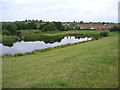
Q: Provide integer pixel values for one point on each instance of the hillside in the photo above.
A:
(91, 64)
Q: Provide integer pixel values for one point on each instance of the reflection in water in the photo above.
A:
(23, 47)
(8, 44)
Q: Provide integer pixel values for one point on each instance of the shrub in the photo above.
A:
(99, 36)
(9, 40)
(18, 54)
(49, 27)
(104, 34)
(18, 33)
(96, 37)
(5, 32)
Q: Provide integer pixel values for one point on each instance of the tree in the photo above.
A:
(90, 22)
(40, 21)
(59, 26)
(25, 20)
(21, 25)
(29, 20)
(33, 20)
(49, 27)
(41, 26)
(32, 25)
(103, 23)
(73, 21)
(81, 22)
(12, 28)
(36, 21)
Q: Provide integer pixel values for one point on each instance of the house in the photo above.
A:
(98, 28)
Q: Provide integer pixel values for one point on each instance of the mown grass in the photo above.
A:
(89, 65)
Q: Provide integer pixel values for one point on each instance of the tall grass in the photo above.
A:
(53, 38)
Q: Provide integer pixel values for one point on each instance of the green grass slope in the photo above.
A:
(92, 64)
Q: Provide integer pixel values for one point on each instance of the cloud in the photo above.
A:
(60, 10)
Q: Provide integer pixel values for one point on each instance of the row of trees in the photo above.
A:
(23, 26)
(81, 22)
(11, 29)
(52, 26)
(36, 21)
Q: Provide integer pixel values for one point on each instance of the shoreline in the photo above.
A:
(43, 50)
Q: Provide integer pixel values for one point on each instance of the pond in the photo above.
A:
(23, 47)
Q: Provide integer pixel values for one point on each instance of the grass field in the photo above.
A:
(89, 65)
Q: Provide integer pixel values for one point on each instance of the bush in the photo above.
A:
(12, 28)
(49, 27)
(9, 40)
(18, 54)
(18, 33)
(96, 37)
(5, 32)
(104, 34)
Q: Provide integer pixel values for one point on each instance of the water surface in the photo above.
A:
(23, 47)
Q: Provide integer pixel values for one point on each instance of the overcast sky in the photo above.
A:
(60, 10)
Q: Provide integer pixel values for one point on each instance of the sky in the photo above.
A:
(60, 10)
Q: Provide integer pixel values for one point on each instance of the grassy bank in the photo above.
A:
(91, 64)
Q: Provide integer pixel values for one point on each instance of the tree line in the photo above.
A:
(11, 29)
